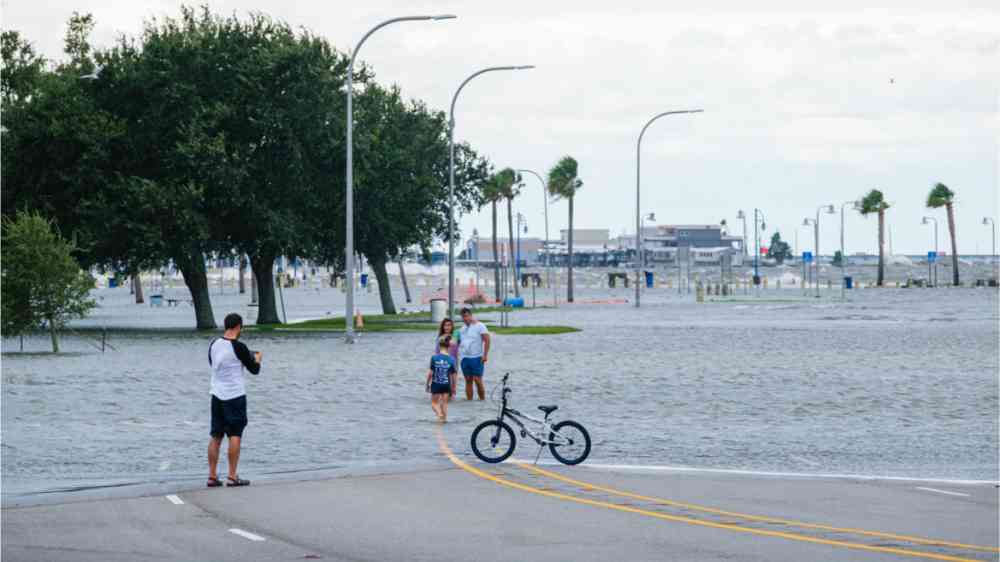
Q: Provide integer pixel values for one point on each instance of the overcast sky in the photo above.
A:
(803, 107)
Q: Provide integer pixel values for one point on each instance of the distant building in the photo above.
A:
(594, 247)
(530, 249)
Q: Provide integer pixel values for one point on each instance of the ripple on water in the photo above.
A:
(876, 389)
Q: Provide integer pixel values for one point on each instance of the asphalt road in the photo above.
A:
(459, 509)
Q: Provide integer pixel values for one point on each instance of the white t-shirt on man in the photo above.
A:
(470, 339)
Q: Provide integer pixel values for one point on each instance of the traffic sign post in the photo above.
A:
(931, 262)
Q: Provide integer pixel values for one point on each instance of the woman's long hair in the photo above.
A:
(441, 327)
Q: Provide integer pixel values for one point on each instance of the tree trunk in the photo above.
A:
(267, 310)
(496, 255)
(137, 284)
(954, 245)
(55, 335)
(243, 272)
(510, 244)
(384, 290)
(402, 278)
(254, 294)
(881, 248)
(195, 277)
(569, 269)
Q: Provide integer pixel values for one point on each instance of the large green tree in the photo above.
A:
(232, 124)
(564, 182)
(22, 69)
(401, 179)
(874, 203)
(942, 196)
(58, 144)
(42, 282)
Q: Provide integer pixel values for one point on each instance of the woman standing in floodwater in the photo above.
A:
(447, 329)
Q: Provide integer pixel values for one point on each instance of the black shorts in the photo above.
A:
(229, 417)
(439, 388)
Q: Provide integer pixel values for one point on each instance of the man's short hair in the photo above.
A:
(465, 311)
(232, 320)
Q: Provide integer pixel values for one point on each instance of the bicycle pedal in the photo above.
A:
(523, 434)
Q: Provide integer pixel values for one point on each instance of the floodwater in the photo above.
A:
(889, 383)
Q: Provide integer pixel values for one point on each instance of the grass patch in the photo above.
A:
(409, 322)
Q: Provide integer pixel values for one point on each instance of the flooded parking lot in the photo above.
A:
(890, 383)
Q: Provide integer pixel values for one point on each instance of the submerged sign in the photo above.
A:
(807, 257)
(932, 257)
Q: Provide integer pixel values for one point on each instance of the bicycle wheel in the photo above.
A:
(577, 446)
(493, 441)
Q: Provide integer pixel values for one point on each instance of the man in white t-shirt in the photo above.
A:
(474, 352)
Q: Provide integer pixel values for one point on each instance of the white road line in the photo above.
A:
(936, 491)
(175, 499)
(247, 535)
(807, 475)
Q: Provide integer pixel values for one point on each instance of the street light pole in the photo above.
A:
(993, 240)
(743, 217)
(843, 256)
(475, 241)
(638, 179)
(545, 206)
(349, 246)
(829, 210)
(651, 217)
(756, 251)
(925, 221)
(517, 260)
(451, 181)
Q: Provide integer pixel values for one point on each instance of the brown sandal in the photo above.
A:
(213, 483)
(233, 482)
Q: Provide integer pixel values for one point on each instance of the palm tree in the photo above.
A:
(563, 184)
(941, 196)
(493, 194)
(509, 184)
(874, 202)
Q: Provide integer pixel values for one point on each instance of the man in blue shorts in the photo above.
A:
(474, 351)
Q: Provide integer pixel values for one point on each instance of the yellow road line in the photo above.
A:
(790, 536)
(791, 523)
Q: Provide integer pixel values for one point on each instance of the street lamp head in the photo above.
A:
(828, 209)
(807, 221)
(651, 217)
(740, 214)
(926, 220)
(987, 220)
(475, 233)
(443, 17)
(524, 67)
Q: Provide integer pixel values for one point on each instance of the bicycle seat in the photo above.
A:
(548, 409)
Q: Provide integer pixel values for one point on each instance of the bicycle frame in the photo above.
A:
(544, 425)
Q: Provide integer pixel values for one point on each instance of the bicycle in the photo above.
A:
(568, 441)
